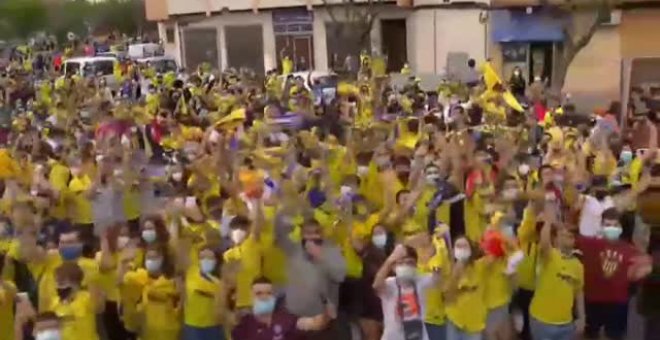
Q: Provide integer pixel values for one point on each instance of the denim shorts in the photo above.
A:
(203, 333)
(544, 331)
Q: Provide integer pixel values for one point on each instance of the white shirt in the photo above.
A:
(389, 298)
(591, 215)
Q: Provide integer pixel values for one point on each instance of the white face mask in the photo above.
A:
(510, 194)
(462, 254)
(345, 190)
(362, 170)
(49, 334)
(177, 176)
(405, 272)
(238, 235)
(523, 169)
(379, 240)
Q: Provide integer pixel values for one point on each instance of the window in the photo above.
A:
(169, 35)
(71, 68)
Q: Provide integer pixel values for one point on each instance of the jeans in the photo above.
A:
(203, 333)
(436, 332)
(455, 333)
(544, 331)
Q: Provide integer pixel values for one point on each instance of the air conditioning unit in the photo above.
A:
(613, 19)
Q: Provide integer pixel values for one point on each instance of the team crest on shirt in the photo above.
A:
(609, 262)
(277, 332)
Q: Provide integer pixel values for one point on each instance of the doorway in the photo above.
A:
(541, 61)
(394, 38)
(299, 47)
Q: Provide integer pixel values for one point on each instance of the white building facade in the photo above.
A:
(432, 36)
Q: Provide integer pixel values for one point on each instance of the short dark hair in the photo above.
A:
(411, 253)
(262, 280)
(471, 63)
(70, 271)
(611, 214)
(239, 222)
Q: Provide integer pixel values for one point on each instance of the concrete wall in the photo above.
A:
(156, 10)
(434, 33)
(639, 29)
(237, 19)
(594, 77)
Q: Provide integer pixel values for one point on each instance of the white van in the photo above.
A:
(92, 66)
(139, 51)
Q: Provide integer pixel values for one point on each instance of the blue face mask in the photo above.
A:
(612, 233)
(70, 253)
(153, 265)
(149, 235)
(261, 307)
(207, 265)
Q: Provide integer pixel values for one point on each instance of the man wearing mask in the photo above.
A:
(268, 321)
(559, 284)
(315, 267)
(69, 251)
(74, 304)
(610, 265)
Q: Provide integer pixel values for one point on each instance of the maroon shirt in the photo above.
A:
(282, 327)
(606, 265)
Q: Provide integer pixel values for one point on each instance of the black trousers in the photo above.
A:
(521, 300)
(613, 317)
(114, 327)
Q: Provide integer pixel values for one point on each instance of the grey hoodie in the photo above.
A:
(310, 283)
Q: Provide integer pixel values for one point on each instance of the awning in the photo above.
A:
(518, 26)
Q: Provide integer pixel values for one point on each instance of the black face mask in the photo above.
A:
(64, 292)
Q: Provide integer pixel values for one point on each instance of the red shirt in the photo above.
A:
(282, 327)
(606, 265)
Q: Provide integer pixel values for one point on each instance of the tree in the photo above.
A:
(357, 20)
(21, 18)
(584, 18)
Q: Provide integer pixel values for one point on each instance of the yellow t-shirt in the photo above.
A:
(159, 305)
(435, 306)
(499, 288)
(107, 279)
(468, 311)
(200, 309)
(131, 203)
(7, 300)
(48, 284)
(528, 244)
(249, 255)
(475, 223)
(274, 259)
(78, 317)
(59, 180)
(81, 208)
(560, 279)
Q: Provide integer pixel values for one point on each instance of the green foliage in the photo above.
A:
(22, 18)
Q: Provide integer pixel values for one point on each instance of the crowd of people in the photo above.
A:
(225, 207)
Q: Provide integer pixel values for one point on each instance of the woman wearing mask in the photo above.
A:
(77, 307)
(403, 296)
(203, 300)
(465, 291)
(153, 232)
(158, 306)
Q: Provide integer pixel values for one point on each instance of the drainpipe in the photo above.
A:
(435, 42)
